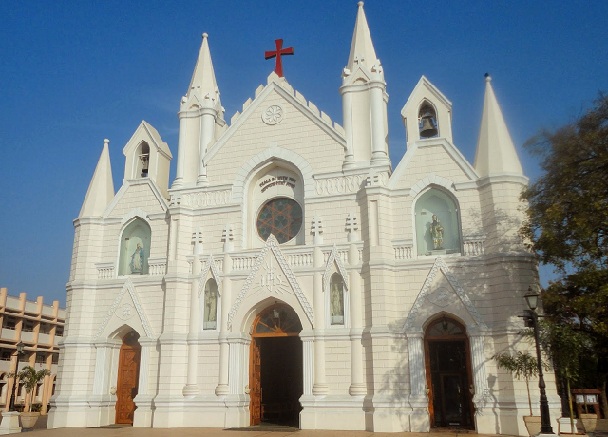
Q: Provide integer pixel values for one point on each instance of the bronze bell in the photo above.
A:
(427, 126)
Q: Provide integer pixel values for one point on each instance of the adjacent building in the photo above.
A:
(39, 327)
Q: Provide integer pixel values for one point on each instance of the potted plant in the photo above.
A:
(524, 366)
(30, 378)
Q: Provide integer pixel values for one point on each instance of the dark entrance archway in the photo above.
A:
(275, 375)
(448, 370)
(128, 378)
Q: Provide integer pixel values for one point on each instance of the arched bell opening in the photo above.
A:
(428, 126)
(275, 375)
(143, 161)
(448, 372)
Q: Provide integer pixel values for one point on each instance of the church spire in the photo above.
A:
(201, 120)
(496, 154)
(361, 47)
(364, 101)
(203, 84)
(101, 188)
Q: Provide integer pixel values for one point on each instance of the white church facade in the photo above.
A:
(290, 274)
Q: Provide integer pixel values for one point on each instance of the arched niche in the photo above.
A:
(437, 223)
(276, 205)
(336, 300)
(210, 305)
(135, 248)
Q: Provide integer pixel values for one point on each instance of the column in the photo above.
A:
(479, 370)
(143, 400)
(191, 389)
(377, 123)
(206, 135)
(320, 386)
(222, 387)
(181, 151)
(347, 109)
(357, 383)
(419, 401)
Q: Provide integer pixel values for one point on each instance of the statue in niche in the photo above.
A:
(436, 233)
(137, 260)
(210, 305)
(337, 303)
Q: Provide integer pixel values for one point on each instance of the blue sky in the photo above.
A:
(75, 72)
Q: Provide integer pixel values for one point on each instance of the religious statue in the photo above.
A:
(210, 305)
(137, 260)
(436, 233)
(337, 303)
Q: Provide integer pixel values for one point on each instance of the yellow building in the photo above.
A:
(39, 327)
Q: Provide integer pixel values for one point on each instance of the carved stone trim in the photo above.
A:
(114, 309)
(210, 264)
(273, 246)
(334, 257)
(274, 114)
(339, 185)
(440, 266)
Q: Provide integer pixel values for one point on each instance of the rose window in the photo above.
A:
(281, 217)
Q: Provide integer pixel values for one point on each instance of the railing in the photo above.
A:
(473, 247)
(105, 270)
(403, 251)
(157, 266)
(243, 262)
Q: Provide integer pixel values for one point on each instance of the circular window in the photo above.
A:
(281, 217)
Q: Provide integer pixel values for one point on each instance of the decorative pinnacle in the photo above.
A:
(488, 77)
(360, 4)
(106, 141)
(205, 35)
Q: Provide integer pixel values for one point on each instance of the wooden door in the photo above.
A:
(128, 379)
(449, 375)
(255, 384)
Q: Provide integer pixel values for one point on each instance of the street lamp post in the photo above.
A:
(531, 316)
(20, 347)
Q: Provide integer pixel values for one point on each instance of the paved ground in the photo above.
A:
(267, 431)
(217, 432)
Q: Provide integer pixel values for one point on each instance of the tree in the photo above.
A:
(522, 365)
(567, 226)
(565, 346)
(30, 379)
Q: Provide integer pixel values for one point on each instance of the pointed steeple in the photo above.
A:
(361, 47)
(496, 154)
(203, 84)
(101, 188)
(364, 101)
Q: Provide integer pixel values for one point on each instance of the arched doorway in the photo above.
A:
(448, 372)
(128, 378)
(275, 370)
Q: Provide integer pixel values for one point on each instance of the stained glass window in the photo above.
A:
(281, 217)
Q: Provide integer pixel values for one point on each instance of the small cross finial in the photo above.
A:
(280, 51)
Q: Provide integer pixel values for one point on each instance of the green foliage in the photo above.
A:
(567, 226)
(522, 365)
(30, 379)
(567, 220)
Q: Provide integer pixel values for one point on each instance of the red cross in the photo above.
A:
(278, 66)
